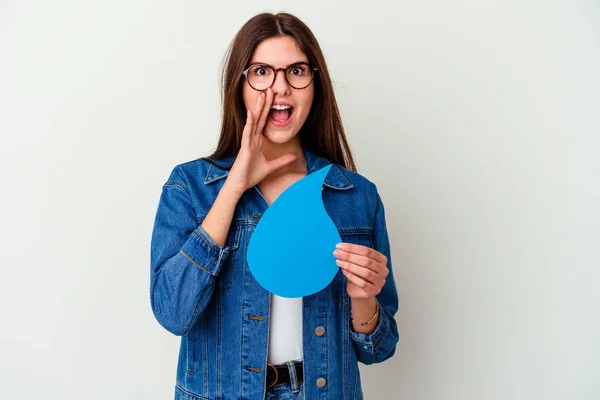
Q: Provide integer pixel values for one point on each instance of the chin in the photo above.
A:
(279, 136)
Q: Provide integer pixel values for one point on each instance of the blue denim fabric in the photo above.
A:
(284, 392)
(206, 294)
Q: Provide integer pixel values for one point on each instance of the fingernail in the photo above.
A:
(338, 262)
(337, 253)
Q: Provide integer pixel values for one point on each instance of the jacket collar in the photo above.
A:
(335, 179)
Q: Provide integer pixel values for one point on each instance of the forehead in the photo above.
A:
(279, 52)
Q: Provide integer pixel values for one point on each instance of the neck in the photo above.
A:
(273, 150)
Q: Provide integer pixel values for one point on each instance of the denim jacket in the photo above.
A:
(206, 294)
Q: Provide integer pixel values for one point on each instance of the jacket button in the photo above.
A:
(321, 382)
(319, 331)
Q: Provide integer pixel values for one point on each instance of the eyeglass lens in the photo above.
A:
(262, 77)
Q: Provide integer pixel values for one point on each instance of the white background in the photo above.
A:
(478, 121)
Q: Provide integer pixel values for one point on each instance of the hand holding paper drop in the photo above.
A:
(290, 252)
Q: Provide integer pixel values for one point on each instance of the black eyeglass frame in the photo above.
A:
(276, 70)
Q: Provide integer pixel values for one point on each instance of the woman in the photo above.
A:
(280, 123)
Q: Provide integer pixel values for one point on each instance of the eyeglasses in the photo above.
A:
(262, 76)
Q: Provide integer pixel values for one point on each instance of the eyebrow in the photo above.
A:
(264, 63)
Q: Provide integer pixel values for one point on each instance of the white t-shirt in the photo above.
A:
(285, 330)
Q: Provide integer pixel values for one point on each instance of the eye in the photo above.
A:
(298, 70)
(261, 71)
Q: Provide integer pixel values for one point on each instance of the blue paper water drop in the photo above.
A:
(290, 252)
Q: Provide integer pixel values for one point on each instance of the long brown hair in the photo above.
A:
(322, 132)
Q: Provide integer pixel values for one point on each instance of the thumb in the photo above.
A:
(282, 161)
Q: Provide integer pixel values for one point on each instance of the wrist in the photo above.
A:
(364, 311)
(364, 302)
(230, 190)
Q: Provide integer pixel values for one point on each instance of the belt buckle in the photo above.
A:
(276, 376)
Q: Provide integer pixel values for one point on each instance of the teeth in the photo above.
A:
(280, 107)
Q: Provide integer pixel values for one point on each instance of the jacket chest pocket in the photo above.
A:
(232, 242)
(362, 236)
(236, 257)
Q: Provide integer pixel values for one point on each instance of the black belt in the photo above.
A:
(278, 374)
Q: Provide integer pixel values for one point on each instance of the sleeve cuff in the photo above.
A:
(203, 251)
(369, 342)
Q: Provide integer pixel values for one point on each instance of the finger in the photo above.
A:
(281, 161)
(358, 281)
(265, 111)
(363, 251)
(248, 128)
(364, 273)
(258, 109)
(359, 260)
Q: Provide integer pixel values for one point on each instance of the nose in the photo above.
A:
(281, 86)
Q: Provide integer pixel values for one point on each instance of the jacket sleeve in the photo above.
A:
(380, 345)
(184, 261)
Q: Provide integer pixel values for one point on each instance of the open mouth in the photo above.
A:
(281, 115)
